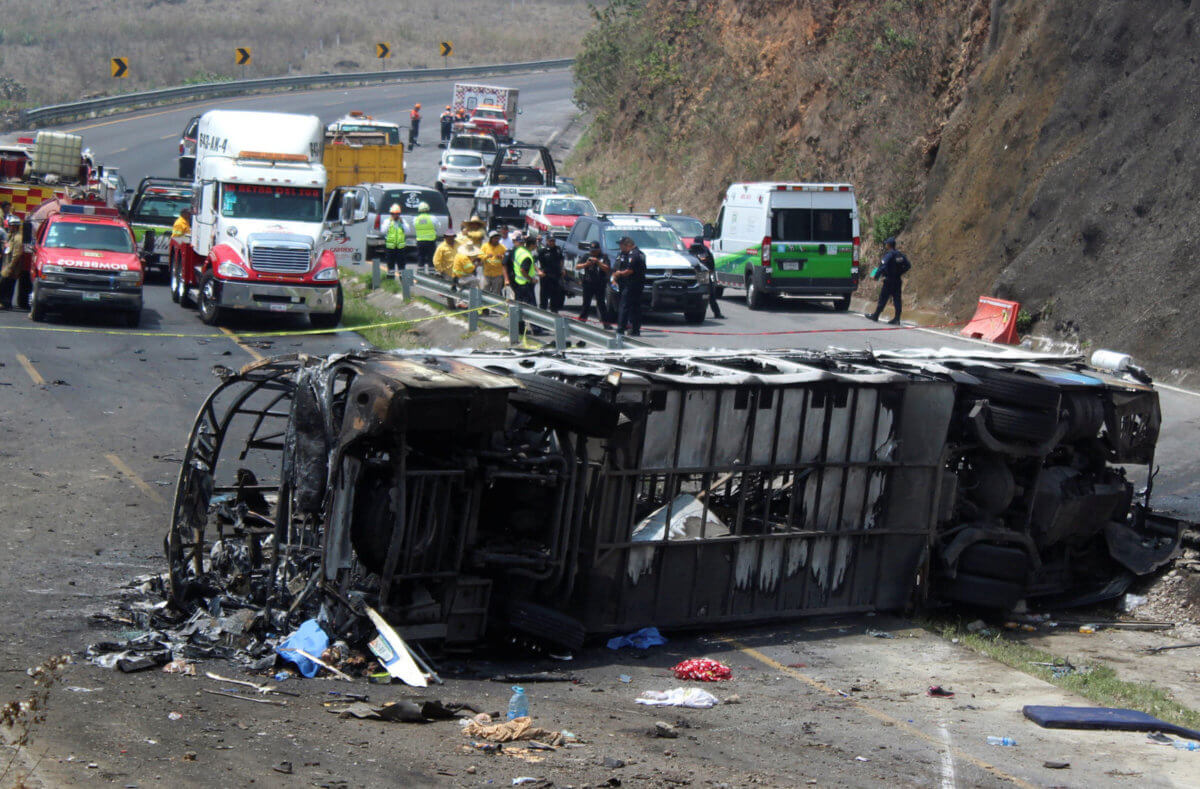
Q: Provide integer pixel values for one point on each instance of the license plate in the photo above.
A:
(278, 307)
(512, 202)
(91, 297)
(791, 265)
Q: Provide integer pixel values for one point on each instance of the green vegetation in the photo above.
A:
(356, 312)
(1095, 682)
(1024, 321)
(891, 220)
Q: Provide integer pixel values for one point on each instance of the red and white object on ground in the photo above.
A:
(995, 320)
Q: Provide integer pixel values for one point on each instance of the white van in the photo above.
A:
(791, 239)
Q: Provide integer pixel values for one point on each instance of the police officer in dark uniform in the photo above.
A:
(551, 293)
(594, 273)
(705, 256)
(629, 274)
(892, 267)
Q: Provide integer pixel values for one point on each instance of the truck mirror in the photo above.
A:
(709, 231)
(360, 212)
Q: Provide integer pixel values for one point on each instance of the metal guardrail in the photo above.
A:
(565, 330)
(40, 115)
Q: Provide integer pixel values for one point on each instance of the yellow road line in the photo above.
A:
(141, 484)
(258, 357)
(878, 715)
(29, 368)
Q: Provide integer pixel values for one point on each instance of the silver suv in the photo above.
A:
(408, 197)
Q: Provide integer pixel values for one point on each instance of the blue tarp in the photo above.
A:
(642, 639)
(309, 637)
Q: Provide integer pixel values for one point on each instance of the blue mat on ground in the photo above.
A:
(1102, 718)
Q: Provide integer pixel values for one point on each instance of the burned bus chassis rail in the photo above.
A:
(561, 495)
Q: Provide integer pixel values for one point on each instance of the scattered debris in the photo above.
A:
(702, 669)
(937, 691)
(664, 729)
(541, 676)
(173, 716)
(678, 697)
(307, 640)
(1156, 650)
(639, 639)
(873, 633)
(406, 711)
(734, 699)
(394, 653)
(1005, 741)
(1053, 765)
(511, 731)
(613, 764)
(272, 702)
(524, 780)
(180, 666)
(1102, 718)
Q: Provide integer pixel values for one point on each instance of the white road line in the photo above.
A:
(948, 779)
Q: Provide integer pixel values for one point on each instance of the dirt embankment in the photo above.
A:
(1041, 150)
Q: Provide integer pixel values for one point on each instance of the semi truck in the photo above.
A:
(260, 235)
(490, 108)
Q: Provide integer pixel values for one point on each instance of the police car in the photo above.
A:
(85, 256)
(675, 280)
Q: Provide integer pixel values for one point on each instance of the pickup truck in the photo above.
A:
(519, 173)
(155, 207)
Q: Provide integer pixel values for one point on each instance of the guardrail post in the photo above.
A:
(474, 302)
(616, 342)
(514, 322)
(376, 275)
(406, 283)
(560, 333)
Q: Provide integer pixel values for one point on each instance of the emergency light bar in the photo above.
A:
(89, 210)
(273, 157)
(812, 187)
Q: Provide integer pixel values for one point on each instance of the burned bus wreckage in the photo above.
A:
(555, 496)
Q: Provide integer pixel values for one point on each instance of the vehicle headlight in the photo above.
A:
(231, 270)
(326, 274)
(51, 268)
(130, 276)
(703, 276)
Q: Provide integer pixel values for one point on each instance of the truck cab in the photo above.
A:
(259, 238)
(152, 213)
(84, 256)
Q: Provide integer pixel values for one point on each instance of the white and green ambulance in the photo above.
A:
(793, 239)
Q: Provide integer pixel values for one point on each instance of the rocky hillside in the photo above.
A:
(1041, 150)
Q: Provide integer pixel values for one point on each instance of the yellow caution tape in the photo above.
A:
(252, 335)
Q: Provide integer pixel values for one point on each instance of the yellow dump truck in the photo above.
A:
(360, 149)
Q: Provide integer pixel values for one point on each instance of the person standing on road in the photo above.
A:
(705, 256)
(414, 125)
(629, 275)
(594, 273)
(425, 229)
(181, 231)
(443, 256)
(492, 255)
(12, 251)
(551, 293)
(892, 267)
(394, 241)
(525, 270)
(447, 121)
(515, 241)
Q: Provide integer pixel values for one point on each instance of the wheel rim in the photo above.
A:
(206, 296)
(174, 280)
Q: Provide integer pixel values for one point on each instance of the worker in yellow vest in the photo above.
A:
(394, 241)
(492, 254)
(425, 229)
(443, 256)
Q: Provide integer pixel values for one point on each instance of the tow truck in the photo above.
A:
(84, 256)
(519, 173)
(156, 206)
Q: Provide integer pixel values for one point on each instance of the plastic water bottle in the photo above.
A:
(993, 740)
(518, 705)
(1186, 746)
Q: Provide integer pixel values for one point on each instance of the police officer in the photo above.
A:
(447, 121)
(594, 271)
(892, 267)
(394, 240)
(425, 229)
(525, 270)
(705, 256)
(552, 292)
(629, 274)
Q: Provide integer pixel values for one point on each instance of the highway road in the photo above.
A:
(93, 418)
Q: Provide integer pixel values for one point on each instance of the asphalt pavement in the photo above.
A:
(93, 420)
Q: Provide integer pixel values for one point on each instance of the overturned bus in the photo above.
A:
(555, 496)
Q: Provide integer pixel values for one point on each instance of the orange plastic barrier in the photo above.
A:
(995, 320)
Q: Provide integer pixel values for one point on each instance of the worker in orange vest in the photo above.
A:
(447, 120)
(414, 125)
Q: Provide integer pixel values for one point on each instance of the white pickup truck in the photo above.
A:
(519, 174)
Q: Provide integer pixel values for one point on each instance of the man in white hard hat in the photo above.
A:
(425, 229)
(394, 241)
